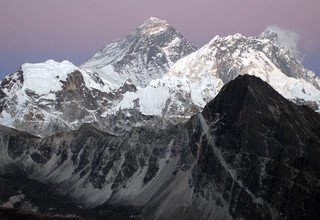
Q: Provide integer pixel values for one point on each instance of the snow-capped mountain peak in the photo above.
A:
(195, 79)
(143, 55)
(286, 39)
(227, 57)
(154, 26)
(42, 78)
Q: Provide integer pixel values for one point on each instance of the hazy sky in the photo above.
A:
(37, 30)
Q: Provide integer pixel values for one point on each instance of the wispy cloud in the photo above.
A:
(289, 40)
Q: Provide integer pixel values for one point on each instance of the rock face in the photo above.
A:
(264, 143)
(250, 154)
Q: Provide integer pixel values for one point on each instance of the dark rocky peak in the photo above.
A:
(270, 148)
(249, 99)
(243, 92)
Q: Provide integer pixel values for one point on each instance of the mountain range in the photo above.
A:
(152, 77)
(158, 129)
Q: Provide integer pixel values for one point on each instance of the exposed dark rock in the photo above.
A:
(264, 140)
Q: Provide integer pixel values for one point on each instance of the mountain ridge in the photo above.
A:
(40, 98)
(236, 159)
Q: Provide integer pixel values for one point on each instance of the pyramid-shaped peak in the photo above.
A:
(245, 91)
(245, 84)
(154, 25)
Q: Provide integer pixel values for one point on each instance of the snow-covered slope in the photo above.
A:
(227, 57)
(172, 97)
(198, 77)
(145, 54)
(49, 97)
(37, 82)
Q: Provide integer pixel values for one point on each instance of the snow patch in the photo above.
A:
(43, 78)
(150, 101)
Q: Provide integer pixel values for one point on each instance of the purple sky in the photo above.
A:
(37, 30)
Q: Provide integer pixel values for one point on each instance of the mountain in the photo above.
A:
(197, 78)
(250, 154)
(50, 97)
(145, 54)
(126, 85)
(265, 58)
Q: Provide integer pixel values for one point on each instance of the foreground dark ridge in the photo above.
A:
(250, 154)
